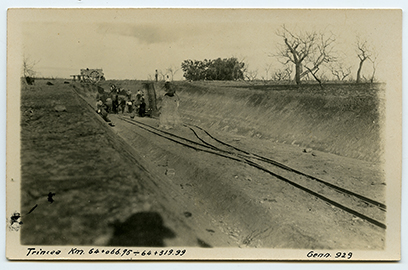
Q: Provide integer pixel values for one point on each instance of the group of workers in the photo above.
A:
(125, 103)
(118, 100)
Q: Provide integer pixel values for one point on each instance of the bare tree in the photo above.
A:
(364, 52)
(340, 71)
(251, 74)
(243, 69)
(279, 75)
(161, 75)
(172, 71)
(374, 62)
(267, 69)
(283, 74)
(307, 50)
(28, 70)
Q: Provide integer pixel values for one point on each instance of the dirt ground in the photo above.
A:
(123, 186)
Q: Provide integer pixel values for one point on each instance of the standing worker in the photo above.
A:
(129, 95)
(115, 98)
(122, 104)
(169, 116)
(129, 103)
(137, 104)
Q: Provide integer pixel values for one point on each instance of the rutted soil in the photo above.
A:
(100, 189)
(107, 179)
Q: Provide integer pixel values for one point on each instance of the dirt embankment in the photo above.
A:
(339, 119)
(124, 186)
(230, 204)
(79, 184)
(343, 119)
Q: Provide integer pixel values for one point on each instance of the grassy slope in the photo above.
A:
(341, 119)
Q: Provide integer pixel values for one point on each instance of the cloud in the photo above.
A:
(148, 33)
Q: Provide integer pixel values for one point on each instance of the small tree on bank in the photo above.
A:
(339, 71)
(364, 52)
(251, 75)
(282, 74)
(374, 63)
(28, 70)
(172, 71)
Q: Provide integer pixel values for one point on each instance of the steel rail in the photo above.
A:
(380, 205)
(244, 160)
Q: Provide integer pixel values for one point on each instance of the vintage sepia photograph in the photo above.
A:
(204, 134)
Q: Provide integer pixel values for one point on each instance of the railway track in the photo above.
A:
(355, 204)
(359, 206)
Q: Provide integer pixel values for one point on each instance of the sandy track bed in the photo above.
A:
(113, 174)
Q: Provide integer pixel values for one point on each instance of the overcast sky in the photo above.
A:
(132, 43)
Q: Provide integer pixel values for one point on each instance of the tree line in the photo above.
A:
(312, 53)
(304, 56)
(218, 69)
